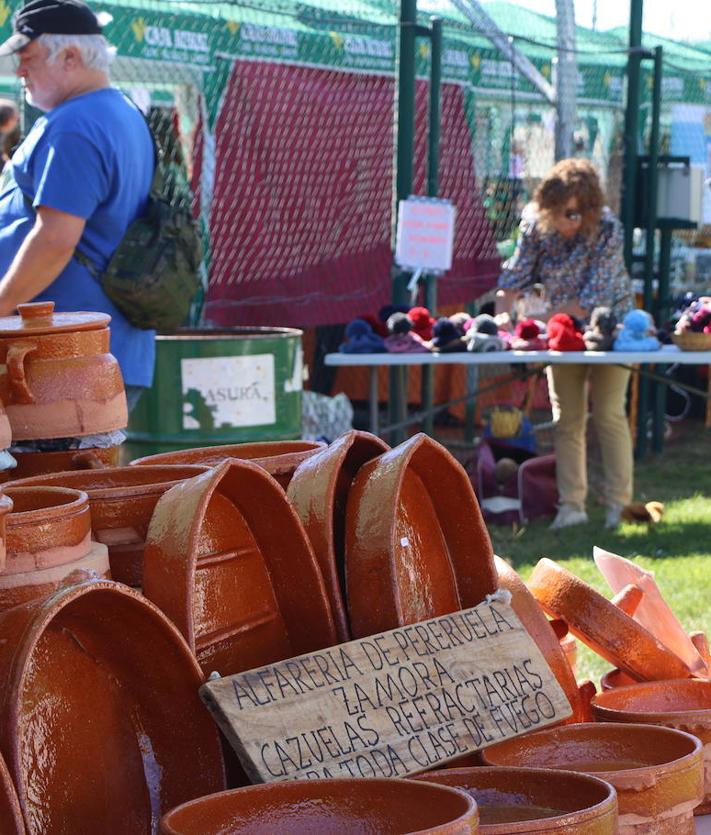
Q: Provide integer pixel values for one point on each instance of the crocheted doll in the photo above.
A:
(360, 339)
(422, 322)
(446, 339)
(564, 334)
(638, 333)
(483, 335)
(602, 330)
(401, 339)
(528, 337)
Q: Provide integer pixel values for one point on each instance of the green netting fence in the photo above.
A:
(283, 113)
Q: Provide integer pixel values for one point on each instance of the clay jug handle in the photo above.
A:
(87, 460)
(16, 354)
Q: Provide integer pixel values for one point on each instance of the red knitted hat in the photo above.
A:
(527, 329)
(563, 335)
(421, 322)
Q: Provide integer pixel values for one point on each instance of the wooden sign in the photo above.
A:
(392, 704)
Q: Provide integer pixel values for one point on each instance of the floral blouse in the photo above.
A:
(589, 271)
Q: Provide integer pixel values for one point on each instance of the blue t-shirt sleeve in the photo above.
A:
(69, 175)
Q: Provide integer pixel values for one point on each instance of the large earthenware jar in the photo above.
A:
(319, 493)
(60, 380)
(122, 500)
(514, 801)
(229, 562)
(684, 704)
(416, 543)
(101, 725)
(279, 458)
(48, 536)
(604, 627)
(325, 807)
(657, 772)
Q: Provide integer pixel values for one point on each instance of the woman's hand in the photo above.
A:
(504, 300)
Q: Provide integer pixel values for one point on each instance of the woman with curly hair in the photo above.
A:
(571, 243)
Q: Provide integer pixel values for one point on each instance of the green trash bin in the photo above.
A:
(220, 387)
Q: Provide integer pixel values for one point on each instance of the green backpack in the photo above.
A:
(154, 273)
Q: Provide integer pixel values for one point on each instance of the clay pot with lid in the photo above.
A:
(514, 801)
(60, 380)
(684, 705)
(657, 772)
(324, 807)
(318, 492)
(47, 537)
(605, 627)
(101, 725)
(122, 500)
(279, 458)
(416, 543)
(229, 562)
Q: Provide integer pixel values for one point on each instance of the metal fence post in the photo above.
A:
(632, 126)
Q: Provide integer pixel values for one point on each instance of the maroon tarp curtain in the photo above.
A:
(301, 211)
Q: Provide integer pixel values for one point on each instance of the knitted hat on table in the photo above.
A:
(563, 334)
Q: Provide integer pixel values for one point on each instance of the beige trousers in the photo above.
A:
(568, 391)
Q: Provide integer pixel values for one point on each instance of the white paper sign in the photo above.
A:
(228, 391)
(425, 234)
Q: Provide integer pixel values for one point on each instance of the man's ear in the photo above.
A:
(72, 58)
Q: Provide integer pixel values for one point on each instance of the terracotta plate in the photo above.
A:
(604, 627)
(416, 543)
(102, 727)
(319, 492)
(227, 559)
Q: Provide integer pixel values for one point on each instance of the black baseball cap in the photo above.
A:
(49, 17)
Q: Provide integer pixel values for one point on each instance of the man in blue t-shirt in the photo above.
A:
(79, 179)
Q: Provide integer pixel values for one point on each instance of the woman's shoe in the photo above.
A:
(613, 516)
(568, 515)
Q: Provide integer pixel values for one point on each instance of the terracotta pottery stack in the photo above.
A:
(59, 381)
(683, 704)
(122, 500)
(47, 538)
(657, 772)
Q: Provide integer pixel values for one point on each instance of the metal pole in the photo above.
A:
(631, 146)
(652, 183)
(404, 125)
(428, 371)
(405, 151)
(566, 80)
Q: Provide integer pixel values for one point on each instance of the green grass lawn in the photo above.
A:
(678, 549)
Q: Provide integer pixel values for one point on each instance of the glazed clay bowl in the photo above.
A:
(604, 627)
(60, 380)
(684, 705)
(539, 628)
(324, 807)
(657, 772)
(228, 561)
(122, 500)
(615, 678)
(279, 458)
(41, 463)
(48, 526)
(101, 725)
(416, 543)
(318, 492)
(513, 801)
